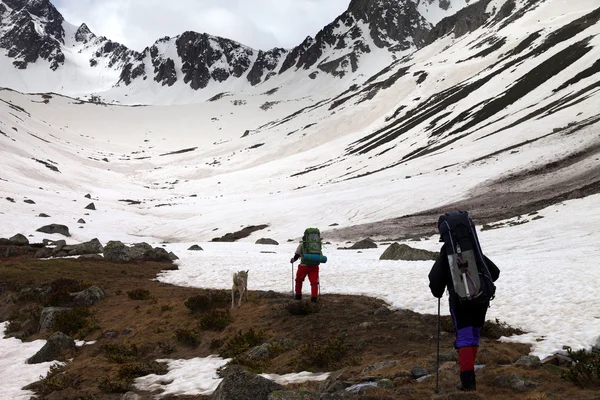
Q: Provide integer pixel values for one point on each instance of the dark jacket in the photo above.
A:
(440, 277)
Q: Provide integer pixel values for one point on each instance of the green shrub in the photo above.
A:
(496, 329)
(139, 294)
(242, 342)
(56, 380)
(120, 353)
(186, 337)
(166, 348)
(198, 303)
(302, 307)
(72, 321)
(132, 371)
(323, 356)
(215, 320)
(585, 370)
(115, 385)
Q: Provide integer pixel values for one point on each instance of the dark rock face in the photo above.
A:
(83, 34)
(266, 62)
(403, 252)
(267, 241)
(23, 42)
(464, 21)
(200, 53)
(55, 228)
(56, 344)
(238, 384)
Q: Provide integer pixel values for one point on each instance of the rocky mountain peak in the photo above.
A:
(83, 34)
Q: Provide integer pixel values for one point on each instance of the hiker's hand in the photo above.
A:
(292, 260)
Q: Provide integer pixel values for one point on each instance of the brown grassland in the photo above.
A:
(343, 334)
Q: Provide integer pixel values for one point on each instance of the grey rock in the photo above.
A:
(559, 360)
(238, 384)
(55, 228)
(89, 296)
(90, 257)
(419, 372)
(19, 240)
(57, 343)
(44, 252)
(90, 206)
(81, 221)
(363, 244)
(115, 251)
(172, 256)
(42, 215)
(109, 334)
(379, 366)
(514, 381)
(267, 241)
(138, 250)
(382, 311)
(127, 331)
(29, 201)
(131, 396)
(529, 362)
(404, 252)
(195, 248)
(92, 247)
(47, 317)
(88, 196)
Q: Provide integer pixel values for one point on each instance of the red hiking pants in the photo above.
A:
(313, 277)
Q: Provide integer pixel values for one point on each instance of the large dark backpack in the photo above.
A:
(312, 248)
(471, 277)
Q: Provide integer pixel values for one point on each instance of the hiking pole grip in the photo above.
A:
(437, 358)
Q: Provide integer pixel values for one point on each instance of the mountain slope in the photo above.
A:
(81, 63)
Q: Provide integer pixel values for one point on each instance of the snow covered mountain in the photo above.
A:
(35, 36)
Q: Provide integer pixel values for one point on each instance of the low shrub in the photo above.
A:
(61, 290)
(115, 385)
(215, 320)
(496, 329)
(187, 338)
(139, 294)
(120, 353)
(322, 356)
(241, 342)
(132, 371)
(166, 348)
(55, 380)
(585, 370)
(302, 307)
(73, 321)
(198, 303)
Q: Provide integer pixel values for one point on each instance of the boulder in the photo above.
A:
(238, 384)
(90, 206)
(367, 243)
(55, 228)
(195, 248)
(172, 256)
(47, 317)
(56, 344)
(138, 250)
(404, 252)
(532, 362)
(43, 215)
(81, 221)
(514, 381)
(92, 247)
(156, 254)
(89, 296)
(267, 241)
(19, 240)
(116, 251)
(44, 252)
(29, 201)
(419, 372)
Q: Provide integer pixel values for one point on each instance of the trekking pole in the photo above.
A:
(292, 279)
(437, 361)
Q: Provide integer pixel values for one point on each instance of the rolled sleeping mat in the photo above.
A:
(314, 258)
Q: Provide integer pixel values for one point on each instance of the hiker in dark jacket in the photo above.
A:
(468, 316)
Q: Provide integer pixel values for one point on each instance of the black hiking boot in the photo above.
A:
(298, 296)
(313, 299)
(467, 381)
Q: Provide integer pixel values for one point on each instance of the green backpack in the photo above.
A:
(311, 247)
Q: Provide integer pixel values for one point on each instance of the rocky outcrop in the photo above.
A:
(267, 241)
(464, 21)
(47, 317)
(55, 228)
(57, 343)
(116, 251)
(404, 252)
(238, 384)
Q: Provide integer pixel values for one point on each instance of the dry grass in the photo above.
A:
(143, 331)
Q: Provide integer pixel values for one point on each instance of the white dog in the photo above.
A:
(240, 284)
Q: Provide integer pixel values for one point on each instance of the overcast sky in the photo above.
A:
(261, 24)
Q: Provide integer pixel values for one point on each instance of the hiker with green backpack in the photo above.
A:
(469, 276)
(310, 253)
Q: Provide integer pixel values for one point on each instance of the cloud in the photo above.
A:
(261, 24)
